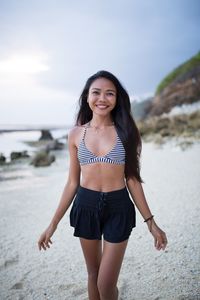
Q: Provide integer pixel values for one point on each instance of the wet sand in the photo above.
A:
(172, 189)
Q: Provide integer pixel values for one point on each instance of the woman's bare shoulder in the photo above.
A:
(75, 132)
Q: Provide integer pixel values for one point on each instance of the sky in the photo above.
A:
(49, 48)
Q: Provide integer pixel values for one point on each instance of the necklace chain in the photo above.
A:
(97, 128)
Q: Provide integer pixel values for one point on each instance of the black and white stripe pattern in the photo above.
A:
(115, 156)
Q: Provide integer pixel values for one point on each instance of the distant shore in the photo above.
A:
(17, 128)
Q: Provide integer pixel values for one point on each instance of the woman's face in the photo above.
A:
(102, 96)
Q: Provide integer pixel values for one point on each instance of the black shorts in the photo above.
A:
(94, 213)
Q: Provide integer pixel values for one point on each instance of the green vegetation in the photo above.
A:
(185, 67)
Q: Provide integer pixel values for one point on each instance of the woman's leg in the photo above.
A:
(109, 269)
(92, 250)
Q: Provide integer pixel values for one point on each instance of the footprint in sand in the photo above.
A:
(79, 291)
(66, 286)
(17, 286)
(9, 262)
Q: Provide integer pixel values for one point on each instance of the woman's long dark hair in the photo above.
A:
(123, 120)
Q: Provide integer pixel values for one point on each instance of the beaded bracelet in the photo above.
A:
(150, 218)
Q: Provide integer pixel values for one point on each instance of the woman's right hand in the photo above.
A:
(45, 238)
(160, 239)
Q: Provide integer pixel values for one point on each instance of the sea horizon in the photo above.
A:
(32, 127)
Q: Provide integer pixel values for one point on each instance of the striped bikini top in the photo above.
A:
(115, 156)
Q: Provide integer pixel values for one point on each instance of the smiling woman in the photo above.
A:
(104, 174)
(23, 64)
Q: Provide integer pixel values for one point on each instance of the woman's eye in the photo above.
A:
(110, 94)
(95, 93)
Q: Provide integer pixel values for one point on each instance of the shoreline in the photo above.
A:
(8, 169)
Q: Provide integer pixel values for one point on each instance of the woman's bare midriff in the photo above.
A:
(103, 177)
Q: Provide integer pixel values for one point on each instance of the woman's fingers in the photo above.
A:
(43, 242)
(164, 244)
(160, 239)
(40, 242)
(157, 245)
(155, 242)
(164, 241)
(161, 242)
(45, 239)
(43, 246)
(48, 242)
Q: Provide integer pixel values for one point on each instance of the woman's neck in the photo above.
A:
(101, 122)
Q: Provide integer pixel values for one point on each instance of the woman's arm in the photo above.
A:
(138, 196)
(73, 181)
(68, 194)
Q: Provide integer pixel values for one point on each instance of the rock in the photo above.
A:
(181, 86)
(45, 135)
(185, 126)
(158, 139)
(42, 159)
(2, 159)
(18, 155)
(54, 145)
(185, 144)
(165, 132)
(176, 94)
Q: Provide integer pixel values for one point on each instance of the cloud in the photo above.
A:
(26, 64)
(138, 41)
(25, 101)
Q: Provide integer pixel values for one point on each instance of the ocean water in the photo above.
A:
(21, 173)
(14, 141)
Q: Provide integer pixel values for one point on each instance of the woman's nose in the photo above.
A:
(102, 97)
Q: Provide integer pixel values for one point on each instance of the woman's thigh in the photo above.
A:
(111, 261)
(92, 251)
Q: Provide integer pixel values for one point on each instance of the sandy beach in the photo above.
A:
(172, 189)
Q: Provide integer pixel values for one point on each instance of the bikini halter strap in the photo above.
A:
(85, 131)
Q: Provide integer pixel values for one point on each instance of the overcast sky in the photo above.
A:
(49, 48)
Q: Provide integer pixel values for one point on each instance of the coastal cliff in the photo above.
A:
(181, 86)
(157, 117)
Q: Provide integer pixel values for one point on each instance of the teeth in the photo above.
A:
(102, 106)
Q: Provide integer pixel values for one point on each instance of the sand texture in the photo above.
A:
(172, 188)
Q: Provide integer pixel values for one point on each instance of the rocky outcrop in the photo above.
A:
(18, 155)
(55, 145)
(177, 93)
(45, 135)
(157, 128)
(179, 87)
(42, 159)
(2, 159)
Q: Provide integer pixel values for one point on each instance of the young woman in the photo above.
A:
(105, 148)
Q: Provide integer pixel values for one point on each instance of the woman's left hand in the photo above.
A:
(160, 239)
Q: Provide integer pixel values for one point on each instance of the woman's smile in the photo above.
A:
(102, 96)
(102, 106)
